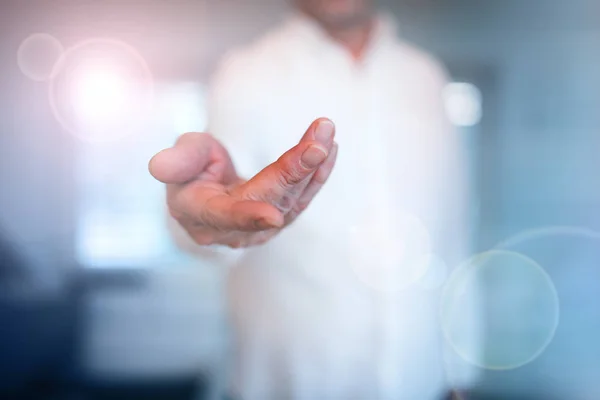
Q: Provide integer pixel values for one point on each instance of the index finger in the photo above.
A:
(282, 182)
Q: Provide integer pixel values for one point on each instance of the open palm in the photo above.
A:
(215, 206)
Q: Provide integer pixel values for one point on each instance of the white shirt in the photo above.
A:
(331, 308)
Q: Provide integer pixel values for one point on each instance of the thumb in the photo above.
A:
(195, 155)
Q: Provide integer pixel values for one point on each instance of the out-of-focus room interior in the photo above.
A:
(97, 302)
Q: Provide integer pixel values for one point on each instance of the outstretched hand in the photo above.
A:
(215, 206)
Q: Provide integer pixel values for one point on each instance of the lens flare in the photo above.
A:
(102, 90)
(435, 272)
(389, 253)
(499, 310)
(37, 56)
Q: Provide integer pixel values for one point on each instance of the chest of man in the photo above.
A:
(385, 128)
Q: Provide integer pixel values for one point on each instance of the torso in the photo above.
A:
(299, 300)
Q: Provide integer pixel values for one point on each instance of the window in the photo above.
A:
(122, 215)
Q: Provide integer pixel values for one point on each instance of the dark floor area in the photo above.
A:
(175, 390)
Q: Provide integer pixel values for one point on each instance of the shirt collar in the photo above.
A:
(313, 35)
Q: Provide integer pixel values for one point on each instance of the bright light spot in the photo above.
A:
(101, 95)
(463, 104)
(513, 302)
(37, 56)
(102, 90)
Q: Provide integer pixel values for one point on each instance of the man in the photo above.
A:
(323, 298)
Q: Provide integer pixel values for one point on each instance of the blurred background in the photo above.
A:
(95, 300)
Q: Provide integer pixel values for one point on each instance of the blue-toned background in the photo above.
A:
(95, 298)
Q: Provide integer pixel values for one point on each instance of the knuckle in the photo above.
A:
(207, 219)
(289, 173)
(285, 179)
(250, 195)
(285, 204)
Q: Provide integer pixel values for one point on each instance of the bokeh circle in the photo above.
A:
(561, 233)
(102, 90)
(389, 254)
(38, 55)
(499, 310)
(570, 255)
(435, 272)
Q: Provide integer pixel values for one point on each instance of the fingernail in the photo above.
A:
(313, 156)
(324, 132)
(263, 224)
